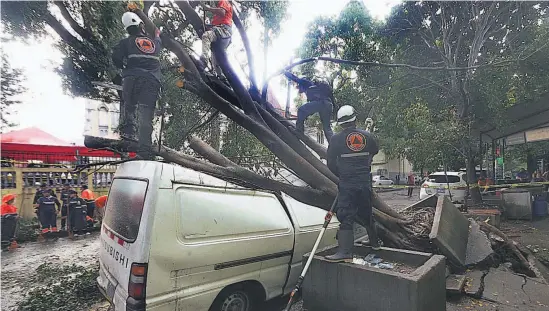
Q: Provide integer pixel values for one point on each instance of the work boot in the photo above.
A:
(346, 242)
(372, 237)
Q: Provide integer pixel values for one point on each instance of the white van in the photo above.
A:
(176, 239)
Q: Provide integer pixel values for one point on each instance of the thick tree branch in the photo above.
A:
(233, 174)
(246, 41)
(205, 150)
(193, 17)
(244, 97)
(84, 33)
(65, 35)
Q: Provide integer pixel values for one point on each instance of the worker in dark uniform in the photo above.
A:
(77, 212)
(38, 193)
(320, 98)
(47, 213)
(349, 157)
(138, 57)
(65, 196)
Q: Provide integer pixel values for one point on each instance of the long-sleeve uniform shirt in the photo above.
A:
(139, 56)
(48, 202)
(350, 156)
(315, 91)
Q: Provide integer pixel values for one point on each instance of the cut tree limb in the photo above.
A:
(233, 174)
(508, 242)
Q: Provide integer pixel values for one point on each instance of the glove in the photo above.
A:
(132, 6)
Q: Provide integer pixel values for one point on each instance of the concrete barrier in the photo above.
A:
(450, 231)
(346, 286)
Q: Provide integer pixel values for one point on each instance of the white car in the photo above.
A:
(379, 180)
(438, 184)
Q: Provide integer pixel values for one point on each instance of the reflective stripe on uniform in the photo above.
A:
(351, 155)
(143, 56)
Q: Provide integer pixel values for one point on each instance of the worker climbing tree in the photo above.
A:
(320, 98)
(218, 33)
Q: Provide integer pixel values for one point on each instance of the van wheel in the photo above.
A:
(234, 298)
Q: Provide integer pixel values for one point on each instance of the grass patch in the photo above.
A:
(27, 230)
(63, 288)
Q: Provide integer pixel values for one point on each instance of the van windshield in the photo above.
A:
(125, 206)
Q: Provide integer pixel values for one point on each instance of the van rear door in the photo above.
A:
(120, 246)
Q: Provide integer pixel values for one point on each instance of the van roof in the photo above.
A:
(168, 173)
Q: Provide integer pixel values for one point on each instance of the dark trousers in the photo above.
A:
(353, 201)
(410, 190)
(139, 95)
(78, 219)
(324, 109)
(90, 208)
(48, 217)
(9, 226)
(64, 216)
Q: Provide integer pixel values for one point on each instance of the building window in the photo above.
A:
(103, 117)
(103, 131)
(114, 119)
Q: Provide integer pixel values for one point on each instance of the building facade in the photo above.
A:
(102, 119)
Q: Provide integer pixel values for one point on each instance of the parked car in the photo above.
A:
(438, 182)
(176, 239)
(379, 180)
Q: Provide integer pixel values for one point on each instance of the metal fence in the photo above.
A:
(34, 177)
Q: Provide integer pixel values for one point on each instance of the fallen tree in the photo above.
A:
(249, 109)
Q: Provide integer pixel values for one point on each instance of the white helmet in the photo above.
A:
(130, 19)
(346, 114)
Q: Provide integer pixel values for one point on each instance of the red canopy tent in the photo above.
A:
(34, 144)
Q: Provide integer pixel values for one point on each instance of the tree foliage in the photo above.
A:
(12, 87)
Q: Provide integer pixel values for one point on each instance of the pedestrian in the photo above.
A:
(47, 212)
(220, 32)
(65, 197)
(349, 157)
(320, 98)
(397, 179)
(9, 221)
(100, 207)
(138, 57)
(411, 183)
(89, 197)
(77, 212)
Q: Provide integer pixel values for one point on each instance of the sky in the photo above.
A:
(47, 106)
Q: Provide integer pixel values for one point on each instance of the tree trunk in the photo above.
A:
(474, 190)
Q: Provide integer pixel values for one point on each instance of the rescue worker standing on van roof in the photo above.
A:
(47, 212)
(65, 196)
(221, 29)
(320, 98)
(88, 196)
(138, 57)
(349, 157)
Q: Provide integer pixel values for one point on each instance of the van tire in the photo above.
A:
(235, 295)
